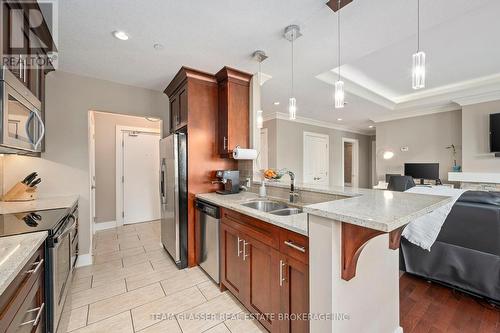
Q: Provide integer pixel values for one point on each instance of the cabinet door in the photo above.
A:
(231, 260)
(174, 113)
(17, 42)
(183, 108)
(31, 315)
(222, 129)
(261, 274)
(294, 291)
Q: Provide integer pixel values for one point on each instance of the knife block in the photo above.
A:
(20, 192)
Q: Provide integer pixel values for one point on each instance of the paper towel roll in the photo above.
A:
(244, 154)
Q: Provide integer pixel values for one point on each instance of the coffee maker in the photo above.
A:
(230, 179)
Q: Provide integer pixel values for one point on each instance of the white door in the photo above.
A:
(316, 158)
(141, 155)
(264, 149)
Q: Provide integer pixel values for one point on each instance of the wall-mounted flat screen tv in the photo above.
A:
(495, 133)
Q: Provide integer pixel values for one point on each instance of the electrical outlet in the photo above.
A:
(248, 182)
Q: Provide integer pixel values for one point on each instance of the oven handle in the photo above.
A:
(65, 232)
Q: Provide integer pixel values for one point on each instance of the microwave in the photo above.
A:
(21, 129)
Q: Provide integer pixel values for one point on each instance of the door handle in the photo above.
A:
(245, 255)
(38, 265)
(239, 249)
(37, 318)
(296, 247)
(21, 72)
(282, 278)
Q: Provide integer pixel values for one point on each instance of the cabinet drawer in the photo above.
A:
(294, 245)
(266, 233)
(15, 295)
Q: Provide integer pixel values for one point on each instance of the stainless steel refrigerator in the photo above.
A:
(173, 196)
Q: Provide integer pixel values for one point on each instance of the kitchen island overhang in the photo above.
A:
(354, 262)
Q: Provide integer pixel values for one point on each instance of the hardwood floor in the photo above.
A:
(432, 308)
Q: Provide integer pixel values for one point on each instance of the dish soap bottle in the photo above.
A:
(262, 189)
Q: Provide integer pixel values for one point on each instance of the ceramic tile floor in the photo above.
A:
(134, 286)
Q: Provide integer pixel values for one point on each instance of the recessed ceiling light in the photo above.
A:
(121, 35)
(371, 126)
(158, 46)
(276, 103)
(339, 119)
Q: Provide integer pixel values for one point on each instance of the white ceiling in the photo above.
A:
(460, 38)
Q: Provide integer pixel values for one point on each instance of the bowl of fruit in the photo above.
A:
(272, 174)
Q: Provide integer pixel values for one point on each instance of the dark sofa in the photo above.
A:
(466, 254)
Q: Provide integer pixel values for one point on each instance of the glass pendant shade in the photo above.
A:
(418, 70)
(292, 108)
(339, 94)
(260, 119)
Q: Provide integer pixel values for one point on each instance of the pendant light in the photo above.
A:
(292, 32)
(418, 68)
(260, 56)
(339, 84)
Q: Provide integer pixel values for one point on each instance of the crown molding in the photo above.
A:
(319, 123)
(416, 112)
(479, 98)
(428, 101)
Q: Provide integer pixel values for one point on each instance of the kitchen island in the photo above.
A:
(353, 260)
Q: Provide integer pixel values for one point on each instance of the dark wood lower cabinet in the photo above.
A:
(271, 284)
(294, 296)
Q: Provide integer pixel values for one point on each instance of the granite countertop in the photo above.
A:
(375, 209)
(380, 210)
(296, 223)
(15, 251)
(39, 204)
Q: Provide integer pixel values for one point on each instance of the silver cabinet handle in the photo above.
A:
(21, 67)
(245, 255)
(282, 279)
(37, 318)
(38, 265)
(225, 143)
(296, 247)
(25, 73)
(239, 250)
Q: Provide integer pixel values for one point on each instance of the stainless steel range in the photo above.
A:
(61, 250)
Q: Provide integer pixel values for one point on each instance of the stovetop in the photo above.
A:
(21, 223)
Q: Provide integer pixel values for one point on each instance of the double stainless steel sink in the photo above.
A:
(272, 207)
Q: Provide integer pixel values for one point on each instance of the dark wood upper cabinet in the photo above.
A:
(234, 110)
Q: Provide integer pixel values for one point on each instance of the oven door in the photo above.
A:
(62, 266)
(23, 126)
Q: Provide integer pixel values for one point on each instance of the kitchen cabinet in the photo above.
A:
(178, 109)
(234, 110)
(22, 307)
(193, 107)
(271, 281)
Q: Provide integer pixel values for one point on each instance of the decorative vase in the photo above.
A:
(456, 168)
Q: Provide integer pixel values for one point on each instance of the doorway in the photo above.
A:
(350, 162)
(138, 169)
(105, 187)
(316, 158)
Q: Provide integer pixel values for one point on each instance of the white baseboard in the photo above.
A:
(104, 225)
(84, 260)
(399, 330)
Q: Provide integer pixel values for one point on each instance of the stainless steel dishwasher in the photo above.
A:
(208, 217)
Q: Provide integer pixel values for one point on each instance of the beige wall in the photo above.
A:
(105, 159)
(476, 141)
(64, 167)
(287, 146)
(425, 136)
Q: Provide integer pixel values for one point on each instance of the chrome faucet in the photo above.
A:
(294, 196)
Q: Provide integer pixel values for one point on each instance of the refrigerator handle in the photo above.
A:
(162, 182)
